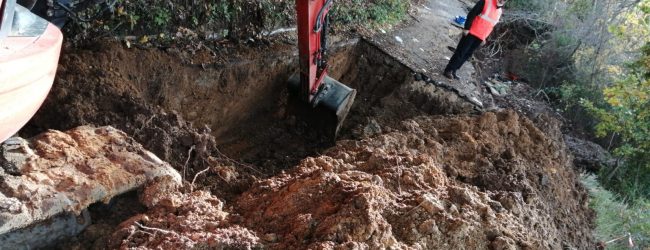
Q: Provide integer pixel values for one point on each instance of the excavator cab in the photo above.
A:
(29, 55)
(326, 100)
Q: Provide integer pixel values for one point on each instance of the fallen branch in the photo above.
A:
(155, 229)
(197, 175)
(189, 155)
(629, 240)
(545, 95)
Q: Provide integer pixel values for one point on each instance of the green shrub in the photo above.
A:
(388, 11)
(370, 13)
(528, 5)
(353, 12)
(161, 17)
(236, 19)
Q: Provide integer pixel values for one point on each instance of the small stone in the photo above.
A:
(510, 202)
(453, 210)
(159, 191)
(543, 179)
(372, 128)
(476, 102)
(496, 206)
(503, 243)
(461, 195)
(431, 204)
(376, 179)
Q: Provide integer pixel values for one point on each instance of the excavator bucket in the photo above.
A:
(329, 108)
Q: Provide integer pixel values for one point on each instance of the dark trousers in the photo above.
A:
(463, 51)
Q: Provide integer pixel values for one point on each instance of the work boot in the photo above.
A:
(449, 74)
(453, 74)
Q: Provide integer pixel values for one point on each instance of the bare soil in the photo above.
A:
(414, 167)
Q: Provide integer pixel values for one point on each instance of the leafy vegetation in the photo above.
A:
(627, 114)
(370, 13)
(232, 19)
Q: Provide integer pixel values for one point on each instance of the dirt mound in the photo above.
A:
(493, 181)
(589, 156)
(489, 182)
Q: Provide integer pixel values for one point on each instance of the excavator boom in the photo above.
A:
(329, 100)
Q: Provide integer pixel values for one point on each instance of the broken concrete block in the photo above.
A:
(13, 154)
(59, 174)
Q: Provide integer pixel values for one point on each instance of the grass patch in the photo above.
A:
(618, 222)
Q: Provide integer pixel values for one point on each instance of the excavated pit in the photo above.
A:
(242, 101)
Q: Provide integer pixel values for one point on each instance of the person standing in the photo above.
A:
(480, 23)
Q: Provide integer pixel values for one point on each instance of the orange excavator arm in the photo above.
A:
(329, 98)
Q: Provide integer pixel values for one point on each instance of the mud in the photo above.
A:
(402, 174)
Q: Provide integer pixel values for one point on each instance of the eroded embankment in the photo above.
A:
(466, 181)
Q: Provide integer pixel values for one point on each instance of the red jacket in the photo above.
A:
(484, 23)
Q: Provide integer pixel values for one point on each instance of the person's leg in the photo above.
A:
(472, 44)
(455, 60)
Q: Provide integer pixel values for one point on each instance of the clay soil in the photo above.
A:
(415, 166)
